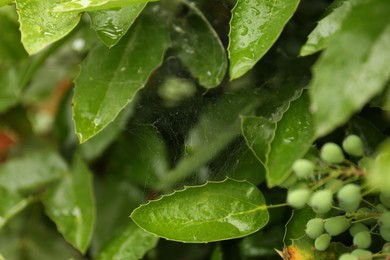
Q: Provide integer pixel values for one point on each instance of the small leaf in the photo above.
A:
(10, 204)
(131, 244)
(40, 26)
(11, 48)
(254, 27)
(354, 67)
(10, 90)
(117, 74)
(377, 173)
(70, 204)
(296, 225)
(210, 212)
(318, 39)
(31, 171)
(93, 5)
(111, 25)
(293, 138)
(199, 48)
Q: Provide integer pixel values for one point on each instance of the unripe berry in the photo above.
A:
(353, 145)
(303, 168)
(356, 228)
(384, 220)
(362, 239)
(321, 201)
(336, 225)
(332, 153)
(349, 197)
(362, 254)
(314, 228)
(322, 242)
(385, 233)
(334, 185)
(385, 199)
(297, 198)
(347, 256)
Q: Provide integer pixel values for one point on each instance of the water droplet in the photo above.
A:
(243, 30)
(255, 11)
(78, 44)
(123, 68)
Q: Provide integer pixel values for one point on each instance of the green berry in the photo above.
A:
(332, 153)
(336, 225)
(362, 239)
(362, 254)
(297, 198)
(314, 228)
(384, 220)
(385, 199)
(385, 233)
(322, 242)
(349, 197)
(348, 256)
(386, 248)
(353, 145)
(357, 227)
(303, 168)
(334, 185)
(321, 201)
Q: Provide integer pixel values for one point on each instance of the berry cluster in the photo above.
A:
(332, 187)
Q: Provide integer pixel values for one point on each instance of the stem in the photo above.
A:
(277, 206)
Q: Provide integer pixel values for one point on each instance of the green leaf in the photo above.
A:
(210, 212)
(93, 5)
(10, 204)
(217, 254)
(31, 171)
(354, 67)
(40, 26)
(117, 74)
(5, 2)
(70, 204)
(131, 244)
(254, 27)
(111, 25)
(199, 48)
(217, 127)
(10, 88)
(377, 173)
(318, 39)
(295, 227)
(293, 138)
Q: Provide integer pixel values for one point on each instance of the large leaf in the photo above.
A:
(4, 2)
(32, 171)
(10, 204)
(117, 75)
(318, 39)
(70, 204)
(40, 26)
(131, 244)
(199, 48)
(354, 68)
(293, 138)
(92, 5)
(217, 127)
(211, 212)
(111, 25)
(254, 27)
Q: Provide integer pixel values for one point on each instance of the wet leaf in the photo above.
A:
(326, 27)
(117, 75)
(92, 5)
(293, 138)
(199, 48)
(210, 212)
(348, 75)
(40, 26)
(11, 203)
(254, 28)
(131, 244)
(111, 25)
(32, 171)
(70, 204)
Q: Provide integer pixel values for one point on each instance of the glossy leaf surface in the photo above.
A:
(254, 27)
(92, 5)
(326, 27)
(117, 75)
(211, 212)
(10, 204)
(293, 138)
(40, 26)
(348, 75)
(111, 25)
(131, 244)
(32, 171)
(70, 204)
(199, 48)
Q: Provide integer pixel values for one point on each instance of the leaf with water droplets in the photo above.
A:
(328, 26)
(117, 74)
(40, 26)
(111, 25)
(199, 48)
(354, 68)
(93, 5)
(11, 203)
(254, 27)
(293, 137)
(211, 212)
(71, 205)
